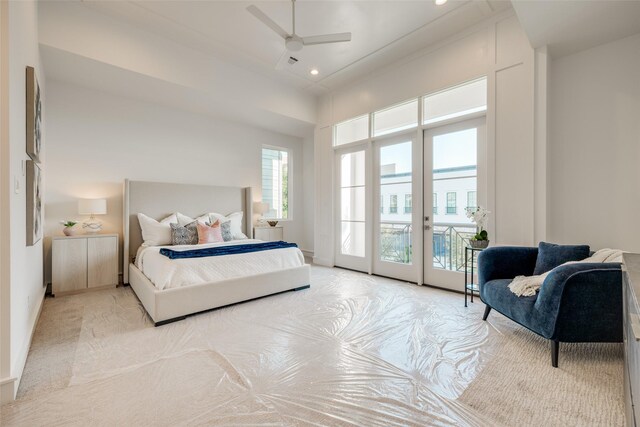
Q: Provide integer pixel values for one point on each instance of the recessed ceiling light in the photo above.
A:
(314, 72)
(440, 2)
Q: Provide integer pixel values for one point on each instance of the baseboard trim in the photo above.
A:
(323, 261)
(5, 381)
(10, 388)
(307, 253)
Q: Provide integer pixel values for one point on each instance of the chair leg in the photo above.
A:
(555, 349)
(487, 309)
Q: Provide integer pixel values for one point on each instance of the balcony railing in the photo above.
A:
(395, 242)
(449, 241)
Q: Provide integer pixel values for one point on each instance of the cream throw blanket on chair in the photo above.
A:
(526, 286)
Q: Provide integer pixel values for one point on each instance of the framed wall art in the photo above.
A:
(34, 116)
(34, 203)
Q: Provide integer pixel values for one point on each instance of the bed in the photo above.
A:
(170, 302)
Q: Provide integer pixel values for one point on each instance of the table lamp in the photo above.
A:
(92, 207)
(261, 208)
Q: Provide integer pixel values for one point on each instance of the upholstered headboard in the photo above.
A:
(159, 200)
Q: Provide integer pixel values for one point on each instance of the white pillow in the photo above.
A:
(235, 218)
(156, 233)
(182, 220)
(206, 218)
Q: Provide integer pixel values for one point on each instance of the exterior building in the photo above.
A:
(454, 191)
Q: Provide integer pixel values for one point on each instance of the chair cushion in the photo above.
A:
(551, 255)
(495, 293)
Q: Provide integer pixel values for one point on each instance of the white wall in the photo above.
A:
(25, 292)
(96, 140)
(93, 48)
(498, 49)
(594, 146)
(308, 199)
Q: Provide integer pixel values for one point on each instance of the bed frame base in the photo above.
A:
(165, 322)
(168, 305)
(177, 319)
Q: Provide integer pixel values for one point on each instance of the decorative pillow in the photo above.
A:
(225, 229)
(156, 233)
(235, 219)
(551, 255)
(209, 233)
(183, 219)
(184, 235)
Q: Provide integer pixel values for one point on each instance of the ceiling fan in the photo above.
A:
(294, 42)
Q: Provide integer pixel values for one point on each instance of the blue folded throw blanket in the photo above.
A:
(226, 250)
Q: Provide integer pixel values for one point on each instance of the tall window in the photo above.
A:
(435, 203)
(393, 203)
(352, 204)
(451, 203)
(472, 203)
(276, 165)
(407, 203)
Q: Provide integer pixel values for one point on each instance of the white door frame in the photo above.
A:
(433, 276)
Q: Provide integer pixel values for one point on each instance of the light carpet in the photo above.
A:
(351, 350)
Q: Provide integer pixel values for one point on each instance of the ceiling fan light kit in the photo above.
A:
(294, 42)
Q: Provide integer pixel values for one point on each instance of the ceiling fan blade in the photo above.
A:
(327, 38)
(267, 21)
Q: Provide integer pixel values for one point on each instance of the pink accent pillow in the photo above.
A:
(209, 233)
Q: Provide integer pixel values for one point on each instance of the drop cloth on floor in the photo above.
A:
(351, 350)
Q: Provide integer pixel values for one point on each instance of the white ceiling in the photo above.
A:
(571, 26)
(382, 32)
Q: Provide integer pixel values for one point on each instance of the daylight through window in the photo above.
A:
(275, 182)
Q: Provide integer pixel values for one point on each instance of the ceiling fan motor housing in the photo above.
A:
(293, 43)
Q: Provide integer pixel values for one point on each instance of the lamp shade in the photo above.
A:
(92, 206)
(260, 207)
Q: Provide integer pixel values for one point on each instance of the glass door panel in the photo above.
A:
(451, 178)
(352, 239)
(394, 229)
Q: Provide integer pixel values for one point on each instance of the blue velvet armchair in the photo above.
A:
(576, 303)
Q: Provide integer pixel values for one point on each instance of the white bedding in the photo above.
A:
(166, 273)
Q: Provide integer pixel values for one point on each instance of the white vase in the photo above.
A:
(69, 231)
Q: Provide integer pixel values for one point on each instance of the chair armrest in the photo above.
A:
(506, 262)
(577, 294)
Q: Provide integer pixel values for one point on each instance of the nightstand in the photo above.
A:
(268, 234)
(84, 262)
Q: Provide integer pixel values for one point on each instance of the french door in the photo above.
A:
(394, 218)
(401, 205)
(454, 182)
(376, 228)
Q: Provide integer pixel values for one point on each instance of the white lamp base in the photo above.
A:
(92, 226)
